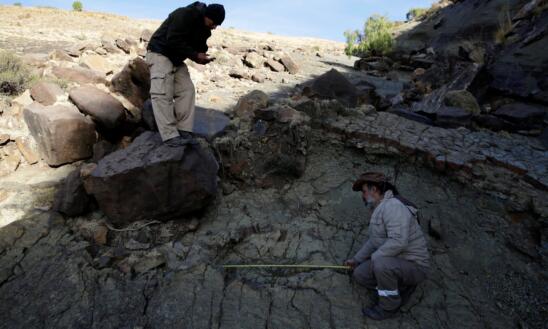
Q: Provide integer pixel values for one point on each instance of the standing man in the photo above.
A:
(395, 258)
(182, 35)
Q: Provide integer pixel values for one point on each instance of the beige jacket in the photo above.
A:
(395, 232)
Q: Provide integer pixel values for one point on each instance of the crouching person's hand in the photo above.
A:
(351, 263)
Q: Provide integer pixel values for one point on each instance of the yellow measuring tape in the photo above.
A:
(335, 267)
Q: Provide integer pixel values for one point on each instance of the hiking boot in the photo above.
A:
(378, 314)
(186, 134)
(405, 293)
(179, 141)
(372, 297)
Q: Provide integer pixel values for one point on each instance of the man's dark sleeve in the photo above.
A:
(178, 34)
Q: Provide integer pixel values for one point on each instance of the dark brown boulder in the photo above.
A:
(333, 85)
(133, 82)
(150, 180)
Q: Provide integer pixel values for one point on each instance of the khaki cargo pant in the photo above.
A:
(389, 275)
(172, 94)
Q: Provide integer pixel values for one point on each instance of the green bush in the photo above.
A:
(416, 13)
(18, 4)
(77, 6)
(376, 39)
(352, 39)
(15, 77)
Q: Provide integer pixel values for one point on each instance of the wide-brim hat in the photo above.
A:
(369, 177)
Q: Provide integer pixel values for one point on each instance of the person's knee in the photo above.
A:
(382, 265)
(363, 275)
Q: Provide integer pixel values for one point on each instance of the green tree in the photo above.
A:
(352, 38)
(77, 6)
(376, 38)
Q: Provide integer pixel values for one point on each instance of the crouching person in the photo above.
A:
(395, 258)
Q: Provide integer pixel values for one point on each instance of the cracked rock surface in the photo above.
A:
(57, 273)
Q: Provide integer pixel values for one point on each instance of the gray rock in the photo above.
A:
(149, 262)
(208, 123)
(105, 110)
(46, 93)
(62, 133)
(149, 179)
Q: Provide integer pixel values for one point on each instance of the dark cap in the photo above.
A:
(369, 177)
(216, 13)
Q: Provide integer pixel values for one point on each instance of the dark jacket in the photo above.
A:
(182, 35)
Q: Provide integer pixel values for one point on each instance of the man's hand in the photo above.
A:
(203, 59)
(352, 263)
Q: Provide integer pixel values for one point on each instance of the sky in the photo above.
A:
(314, 18)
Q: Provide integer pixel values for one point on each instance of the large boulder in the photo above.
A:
(62, 133)
(46, 93)
(149, 179)
(333, 85)
(78, 74)
(133, 82)
(105, 110)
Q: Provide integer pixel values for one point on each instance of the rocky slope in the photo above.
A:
(297, 134)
